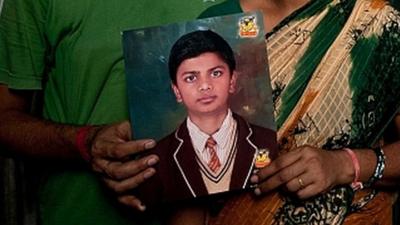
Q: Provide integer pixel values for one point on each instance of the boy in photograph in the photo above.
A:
(214, 150)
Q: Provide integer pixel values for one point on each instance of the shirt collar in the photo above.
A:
(199, 138)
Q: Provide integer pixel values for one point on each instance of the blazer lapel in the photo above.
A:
(185, 159)
(246, 152)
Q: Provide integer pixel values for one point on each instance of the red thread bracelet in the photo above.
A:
(81, 137)
(356, 184)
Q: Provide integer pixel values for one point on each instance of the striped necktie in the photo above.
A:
(214, 162)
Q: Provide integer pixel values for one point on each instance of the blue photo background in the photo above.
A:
(154, 111)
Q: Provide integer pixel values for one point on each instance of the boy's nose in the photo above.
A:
(205, 85)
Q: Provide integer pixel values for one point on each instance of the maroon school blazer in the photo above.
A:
(178, 176)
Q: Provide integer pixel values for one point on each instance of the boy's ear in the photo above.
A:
(176, 92)
(232, 82)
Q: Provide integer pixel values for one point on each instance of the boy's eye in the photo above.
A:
(190, 78)
(216, 73)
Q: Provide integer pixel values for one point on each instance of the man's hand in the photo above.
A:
(306, 171)
(112, 148)
(113, 153)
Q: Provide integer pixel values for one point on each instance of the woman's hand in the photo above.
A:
(305, 171)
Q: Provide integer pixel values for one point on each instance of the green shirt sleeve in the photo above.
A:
(22, 44)
(224, 8)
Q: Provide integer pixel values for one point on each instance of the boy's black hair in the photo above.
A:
(196, 43)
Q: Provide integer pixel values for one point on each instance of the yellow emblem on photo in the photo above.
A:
(248, 26)
(262, 158)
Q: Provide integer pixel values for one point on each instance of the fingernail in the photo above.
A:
(257, 191)
(142, 207)
(253, 186)
(148, 174)
(152, 161)
(149, 144)
(254, 179)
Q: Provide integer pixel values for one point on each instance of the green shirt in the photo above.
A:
(225, 8)
(72, 50)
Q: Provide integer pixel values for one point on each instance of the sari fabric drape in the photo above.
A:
(335, 73)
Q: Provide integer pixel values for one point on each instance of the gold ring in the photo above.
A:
(301, 183)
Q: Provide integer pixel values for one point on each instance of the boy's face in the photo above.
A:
(203, 84)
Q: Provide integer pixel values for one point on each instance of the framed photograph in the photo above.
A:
(201, 88)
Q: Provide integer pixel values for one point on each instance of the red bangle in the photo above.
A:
(81, 137)
(356, 184)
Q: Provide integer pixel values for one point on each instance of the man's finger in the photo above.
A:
(122, 150)
(118, 170)
(132, 201)
(125, 131)
(121, 186)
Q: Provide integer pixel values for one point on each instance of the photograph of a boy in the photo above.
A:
(214, 149)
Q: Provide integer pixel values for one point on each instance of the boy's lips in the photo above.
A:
(207, 99)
